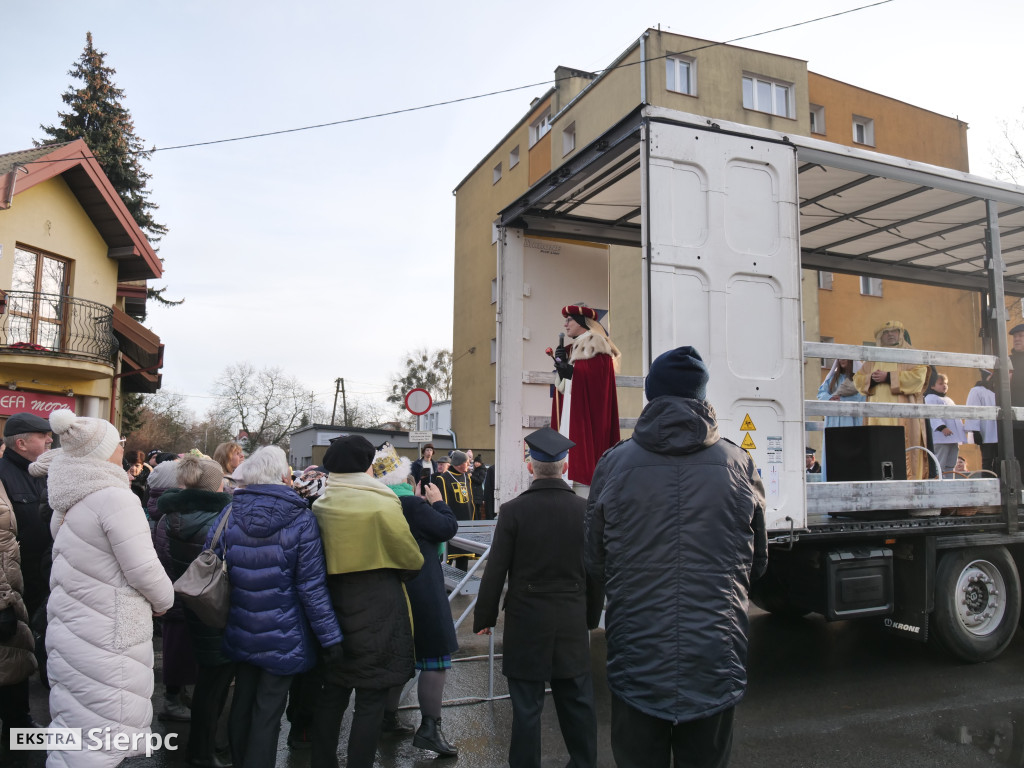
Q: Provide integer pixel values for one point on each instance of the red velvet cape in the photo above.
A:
(593, 415)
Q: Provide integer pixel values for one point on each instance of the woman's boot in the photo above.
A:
(430, 736)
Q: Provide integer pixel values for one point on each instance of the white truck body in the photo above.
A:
(726, 216)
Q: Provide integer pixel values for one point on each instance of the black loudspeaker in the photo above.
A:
(865, 453)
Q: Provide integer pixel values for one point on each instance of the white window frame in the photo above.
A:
(568, 138)
(540, 127)
(494, 290)
(513, 157)
(496, 176)
(494, 351)
(867, 126)
(870, 286)
(493, 416)
(818, 119)
(753, 102)
(679, 69)
(825, 280)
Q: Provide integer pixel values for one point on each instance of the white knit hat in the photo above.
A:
(81, 436)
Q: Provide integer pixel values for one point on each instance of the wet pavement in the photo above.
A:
(820, 695)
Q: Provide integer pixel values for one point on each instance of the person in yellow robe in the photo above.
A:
(897, 383)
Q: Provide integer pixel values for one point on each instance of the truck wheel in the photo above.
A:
(977, 602)
(769, 593)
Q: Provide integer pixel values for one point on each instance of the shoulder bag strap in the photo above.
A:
(220, 528)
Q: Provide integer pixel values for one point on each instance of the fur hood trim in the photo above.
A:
(588, 345)
(72, 478)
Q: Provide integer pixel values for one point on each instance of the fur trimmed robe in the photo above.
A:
(593, 404)
(105, 586)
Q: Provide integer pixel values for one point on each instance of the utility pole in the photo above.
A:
(334, 410)
(339, 384)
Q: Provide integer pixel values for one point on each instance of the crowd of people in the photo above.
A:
(335, 589)
(337, 592)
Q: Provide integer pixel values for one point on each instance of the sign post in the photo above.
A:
(418, 402)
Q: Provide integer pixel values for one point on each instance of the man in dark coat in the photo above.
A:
(27, 436)
(688, 505)
(549, 607)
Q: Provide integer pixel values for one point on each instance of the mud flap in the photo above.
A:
(914, 576)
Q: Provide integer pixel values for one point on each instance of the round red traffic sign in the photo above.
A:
(418, 401)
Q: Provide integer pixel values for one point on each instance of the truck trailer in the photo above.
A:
(724, 217)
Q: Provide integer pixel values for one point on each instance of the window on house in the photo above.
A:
(36, 303)
(540, 127)
(863, 131)
(681, 75)
(826, 362)
(771, 96)
(513, 158)
(494, 351)
(568, 139)
(493, 413)
(497, 174)
(871, 286)
(494, 291)
(825, 281)
(817, 119)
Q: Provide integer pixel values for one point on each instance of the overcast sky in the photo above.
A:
(329, 252)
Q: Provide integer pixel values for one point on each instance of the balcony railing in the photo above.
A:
(55, 324)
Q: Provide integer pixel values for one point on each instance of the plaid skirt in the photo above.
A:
(438, 663)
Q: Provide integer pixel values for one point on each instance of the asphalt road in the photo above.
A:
(844, 694)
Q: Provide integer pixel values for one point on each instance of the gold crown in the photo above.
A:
(386, 461)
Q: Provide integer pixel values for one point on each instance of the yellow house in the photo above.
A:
(73, 266)
(715, 81)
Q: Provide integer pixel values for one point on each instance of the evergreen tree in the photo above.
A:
(97, 115)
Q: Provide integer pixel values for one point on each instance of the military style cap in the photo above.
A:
(23, 423)
(810, 451)
(1017, 329)
(548, 445)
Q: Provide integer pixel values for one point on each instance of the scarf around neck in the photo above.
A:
(72, 478)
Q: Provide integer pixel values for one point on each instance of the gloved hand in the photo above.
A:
(333, 656)
(563, 366)
(977, 437)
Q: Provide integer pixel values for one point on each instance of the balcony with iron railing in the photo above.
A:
(50, 324)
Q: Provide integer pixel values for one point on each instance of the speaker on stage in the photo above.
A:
(865, 453)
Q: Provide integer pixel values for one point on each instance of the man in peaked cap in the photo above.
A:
(690, 505)
(897, 383)
(549, 609)
(585, 405)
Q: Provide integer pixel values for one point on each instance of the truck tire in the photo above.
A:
(977, 602)
(770, 593)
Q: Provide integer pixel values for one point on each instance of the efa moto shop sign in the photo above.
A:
(34, 402)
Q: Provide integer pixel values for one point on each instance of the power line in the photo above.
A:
(449, 102)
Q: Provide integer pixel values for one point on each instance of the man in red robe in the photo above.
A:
(585, 407)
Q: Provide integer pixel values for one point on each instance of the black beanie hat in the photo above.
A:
(679, 372)
(350, 453)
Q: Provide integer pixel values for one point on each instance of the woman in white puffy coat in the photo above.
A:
(106, 585)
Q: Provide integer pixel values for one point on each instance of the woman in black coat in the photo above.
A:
(186, 517)
(432, 523)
